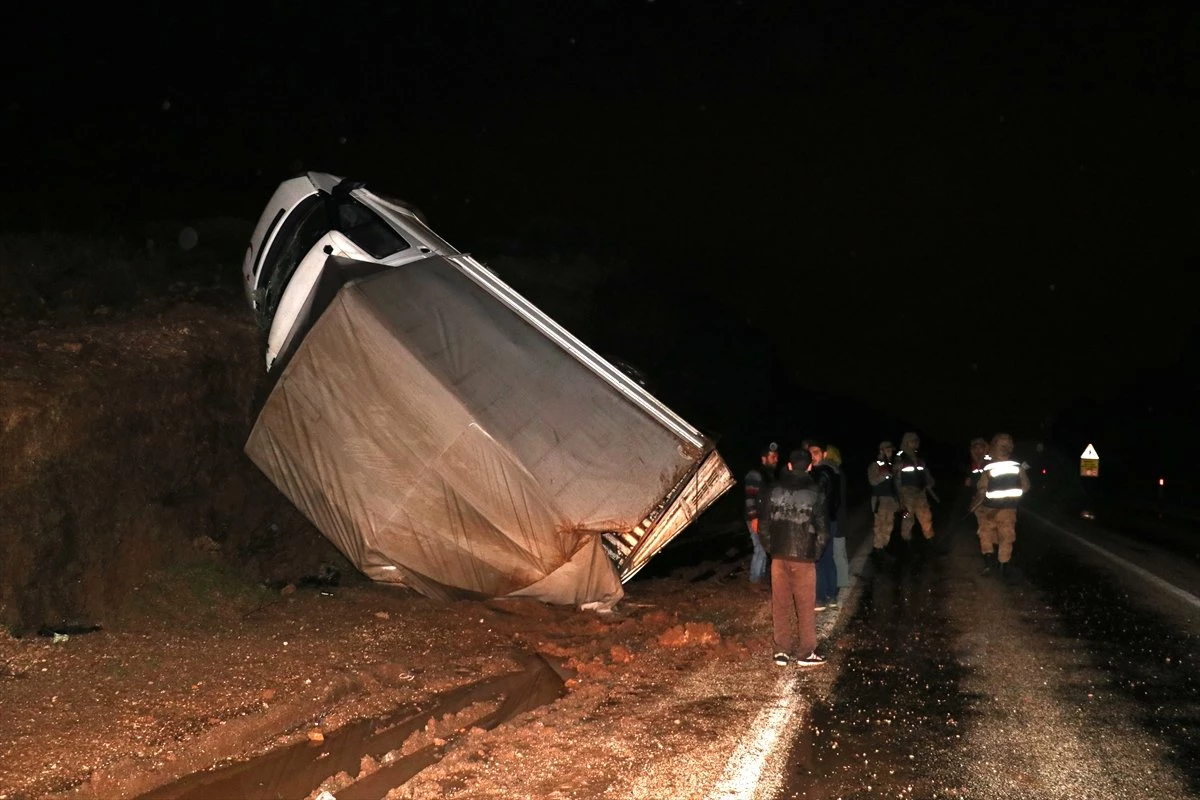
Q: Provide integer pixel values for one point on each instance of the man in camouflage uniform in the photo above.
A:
(914, 481)
(883, 497)
(980, 458)
(998, 493)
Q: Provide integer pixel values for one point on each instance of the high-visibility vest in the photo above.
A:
(912, 470)
(1004, 484)
(977, 470)
(885, 487)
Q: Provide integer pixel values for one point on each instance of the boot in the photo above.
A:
(1005, 572)
(989, 563)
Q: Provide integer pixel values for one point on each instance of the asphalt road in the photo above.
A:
(1078, 678)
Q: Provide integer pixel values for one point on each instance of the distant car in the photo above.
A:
(314, 216)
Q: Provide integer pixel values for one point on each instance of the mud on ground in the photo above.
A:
(118, 712)
(126, 504)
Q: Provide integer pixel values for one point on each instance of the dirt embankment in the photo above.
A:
(123, 409)
(121, 453)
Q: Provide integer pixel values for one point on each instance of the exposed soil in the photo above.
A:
(117, 713)
(126, 504)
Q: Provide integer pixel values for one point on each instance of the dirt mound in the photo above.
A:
(120, 445)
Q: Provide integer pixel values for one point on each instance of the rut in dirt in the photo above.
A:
(299, 769)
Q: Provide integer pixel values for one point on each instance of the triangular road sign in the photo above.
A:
(1089, 452)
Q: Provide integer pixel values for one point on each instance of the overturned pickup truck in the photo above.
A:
(442, 431)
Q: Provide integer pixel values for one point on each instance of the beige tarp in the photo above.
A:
(443, 442)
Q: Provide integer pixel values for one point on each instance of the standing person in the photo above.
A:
(979, 459)
(999, 492)
(829, 480)
(756, 482)
(915, 481)
(833, 457)
(795, 529)
(883, 497)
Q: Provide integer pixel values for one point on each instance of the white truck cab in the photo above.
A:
(314, 216)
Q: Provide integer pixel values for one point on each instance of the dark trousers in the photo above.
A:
(793, 595)
(827, 588)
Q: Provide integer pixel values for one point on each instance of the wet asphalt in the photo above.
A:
(908, 716)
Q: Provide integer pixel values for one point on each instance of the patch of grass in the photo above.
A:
(204, 594)
(214, 583)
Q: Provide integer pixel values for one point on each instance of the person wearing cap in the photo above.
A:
(756, 482)
(999, 491)
(884, 504)
(915, 481)
(795, 529)
(980, 458)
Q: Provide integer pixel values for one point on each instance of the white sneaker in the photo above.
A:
(782, 659)
(812, 660)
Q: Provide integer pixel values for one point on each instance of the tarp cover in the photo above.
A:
(442, 442)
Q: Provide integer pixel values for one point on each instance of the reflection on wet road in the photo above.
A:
(1065, 682)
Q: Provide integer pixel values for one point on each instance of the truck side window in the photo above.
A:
(363, 227)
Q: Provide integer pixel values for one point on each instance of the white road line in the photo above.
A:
(1185, 596)
(743, 771)
(743, 774)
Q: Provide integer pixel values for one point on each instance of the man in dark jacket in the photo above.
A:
(831, 481)
(756, 482)
(794, 527)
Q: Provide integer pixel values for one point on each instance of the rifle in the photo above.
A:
(970, 511)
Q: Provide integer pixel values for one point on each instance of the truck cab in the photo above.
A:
(309, 218)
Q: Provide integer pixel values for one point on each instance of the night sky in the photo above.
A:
(971, 215)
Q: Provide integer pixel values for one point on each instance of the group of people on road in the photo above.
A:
(900, 482)
(796, 516)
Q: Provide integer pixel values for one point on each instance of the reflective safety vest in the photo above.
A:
(912, 470)
(977, 470)
(886, 487)
(1004, 484)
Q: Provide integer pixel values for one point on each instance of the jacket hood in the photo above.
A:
(833, 455)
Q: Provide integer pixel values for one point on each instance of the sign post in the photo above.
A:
(1089, 463)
